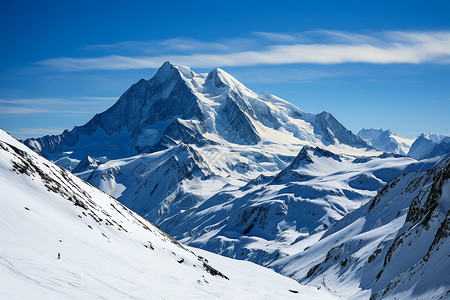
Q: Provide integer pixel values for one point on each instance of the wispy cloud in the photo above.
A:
(35, 132)
(58, 106)
(33, 101)
(174, 45)
(314, 47)
(282, 75)
(97, 98)
(281, 37)
(6, 110)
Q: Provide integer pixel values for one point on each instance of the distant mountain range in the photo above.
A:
(385, 141)
(424, 146)
(241, 174)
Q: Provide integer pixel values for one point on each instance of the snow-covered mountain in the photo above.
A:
(430, 145)
(222, 168)
(253, 177)
(107, 251)
(394, 247)
(386, 141)
(200, 109)
(258, 220)
(425, 146)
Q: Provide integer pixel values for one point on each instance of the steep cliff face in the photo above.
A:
(429, 145)
(240, 129)
(333, 131)
(136, 121)
(395, 246)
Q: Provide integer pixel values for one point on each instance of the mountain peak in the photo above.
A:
(325, 115)
(307, 153)
(368, 131)
(169, 71)
(332, 130)
(434, 137)
(218, 77)
(429, 145)
(88, 163)
(214, 77)
(214, 107)
(166, 71)
(222, 79)
(165, 67)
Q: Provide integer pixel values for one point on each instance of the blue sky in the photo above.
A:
(372, 64)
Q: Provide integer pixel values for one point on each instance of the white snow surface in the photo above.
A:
(107, 251)
(253, 177)
(394, 247)
(222, 168)
(257, 218)
(404, 144)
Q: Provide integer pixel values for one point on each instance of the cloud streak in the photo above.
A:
(54, 106)
(319, 47)
(35, 132)
(97, 98)
(6, 110)
(282, 75)
(174, 45)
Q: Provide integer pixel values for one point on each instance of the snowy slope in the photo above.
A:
(222, 168)
(172, 145)
(430, 145)
(386, 141)
(394, 247)
(240, 217)
(107, 251)
(258, 220)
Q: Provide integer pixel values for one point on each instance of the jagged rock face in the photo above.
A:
(423, 208)
(304, 157)
(394, 246)
(426, 229)
(149, 102)
(178, 131)
(333, 131)
(86, 164)
(161, 99)
(429, 145)
(240, 128)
